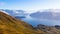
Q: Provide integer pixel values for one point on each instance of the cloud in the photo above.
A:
(2, 3)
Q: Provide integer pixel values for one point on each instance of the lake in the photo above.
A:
(34, 21)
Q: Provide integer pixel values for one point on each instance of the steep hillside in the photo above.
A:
(10, 25)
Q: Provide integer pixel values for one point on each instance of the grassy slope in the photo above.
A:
(10, 25)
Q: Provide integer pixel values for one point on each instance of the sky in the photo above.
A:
(29, 4)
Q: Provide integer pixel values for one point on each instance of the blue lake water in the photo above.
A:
(34, 21)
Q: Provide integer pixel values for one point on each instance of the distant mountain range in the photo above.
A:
(51, 14)
(15, 13)
(47, 14)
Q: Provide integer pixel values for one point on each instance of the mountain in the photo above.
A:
(11, 25)
(43, 15)
(15, 13)
(51, 15)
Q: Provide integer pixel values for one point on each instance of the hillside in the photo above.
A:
(10, 25)
(49, 29)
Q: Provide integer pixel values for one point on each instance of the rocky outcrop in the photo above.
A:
(48, 29)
